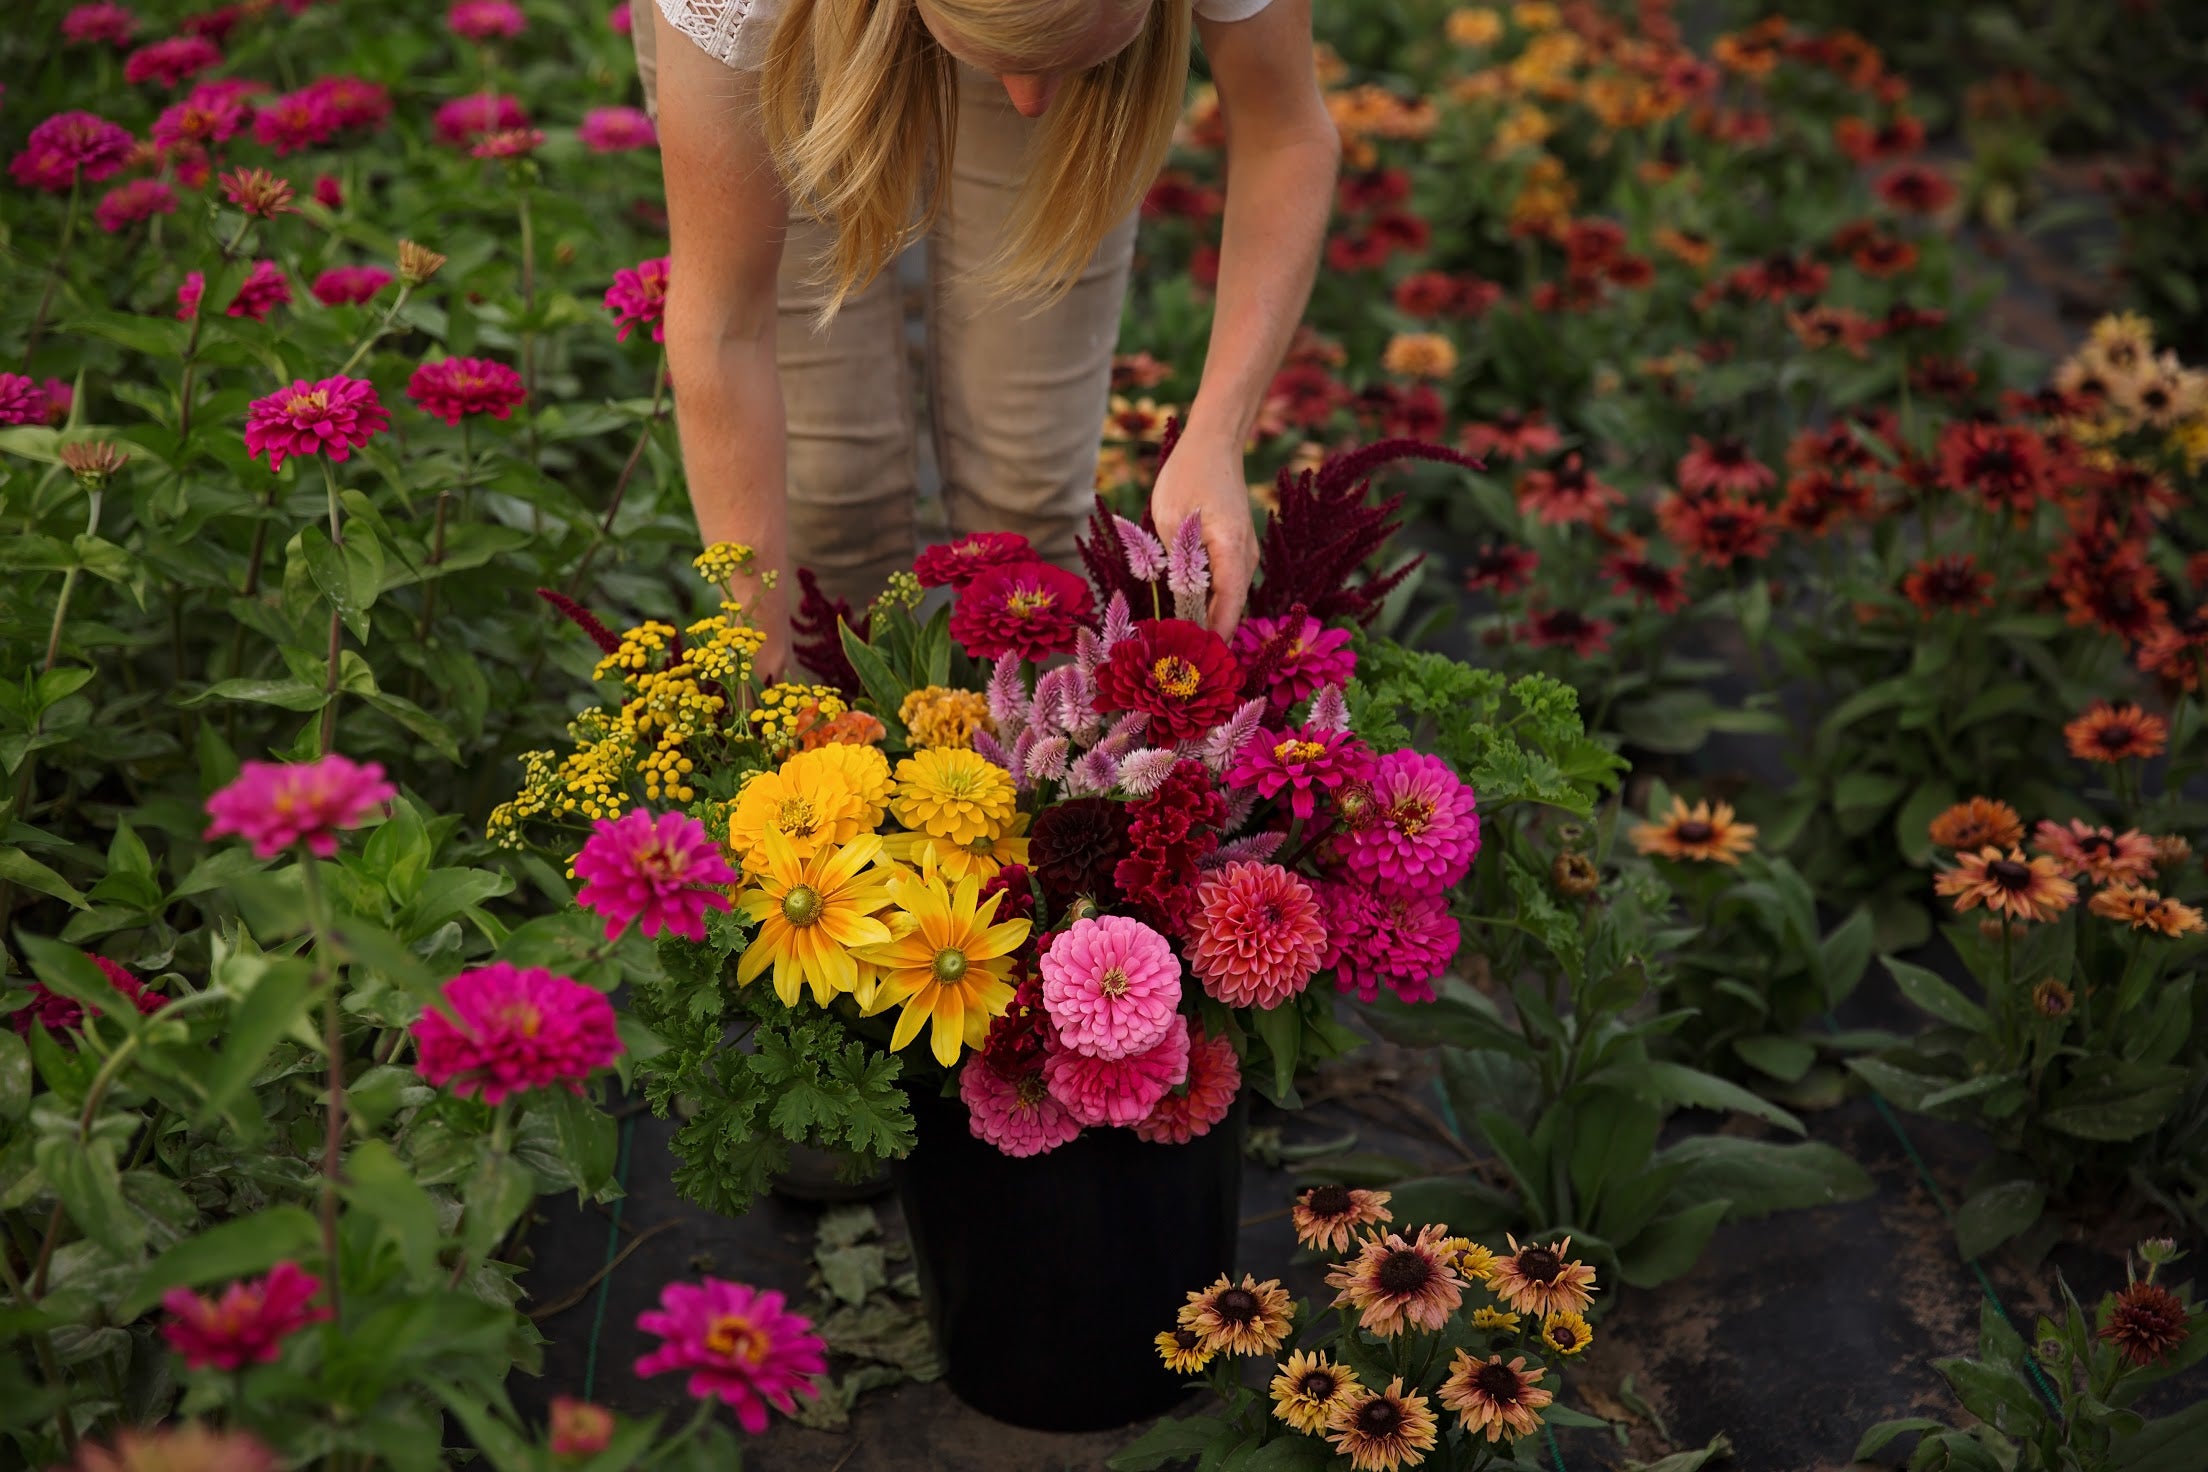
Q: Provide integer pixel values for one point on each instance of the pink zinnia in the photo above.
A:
(349, 286)
(1421, 830)
(738, 1344)
(452, 388)
(171, 62)
(209, 113)
(579, 1428)
(248, 1324)
(295, 121)
(1017, 1115)
(352, 102)
(1214, 1078)
(513, 1029)
(22, 401)
(128, 203)
(1259, 935)
(1111, 985)
(617, 130)
(1403, 940)
(273, 806)
(465, 119)
(101, 24)
(639, 295)
(264, 289)
(333, 417)
(69, 144)
(59, 396)
(955, 564)
(330, 194)
(188, 293)
(57, 1013)
(1118, 1091)
(657, 870)
(1302, 763)
(1301, 656)
(508, 143)
(620, 20)
(485, 20)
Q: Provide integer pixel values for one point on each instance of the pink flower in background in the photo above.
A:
(210, 113)
(248, 1324)
(1214, 1078)
(352, 102)
(1259, 935)
(59, 396)
(620, 19)
(295, 121)
(637, 297)
(101, 24)
(349, 285)
(70, 144)
(22, 401)
(738, 1344)
(1298, 655)
(171, 62)
(328, 193)
(513, 1029)
(508, 143)
(1017, 1115)
(273, 806)
(1302, 763)
(333, 417)
(451, 388)
(655, 870)
(190, 165)
(258, 192)
(1118, 1091)
(617, 130)
(1401, 940)
(57, 1013)
(192, 1446)
(1422, 828)
(579, 1428)
(485, 20)
(264, 290)
(465, 119)
(1110, 985)
(188, 293)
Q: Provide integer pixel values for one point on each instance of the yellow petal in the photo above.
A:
(999, 940)
(950, 1026)
(847, 861)
(909, 1022)
(757, 955)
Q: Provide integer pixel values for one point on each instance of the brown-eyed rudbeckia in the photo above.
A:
(2143, 909)
(1248, 1317)
(1396, 1283)
(1499, 1397)
(1381, 1430)
(2099, 854)
(1309, 1387)
(2115, 733)
(1976, 823)
(1540, 1279)
(1704, 833)
(2008, 884)
(1327, 1216)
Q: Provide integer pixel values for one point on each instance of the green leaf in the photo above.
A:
(378, 1185)
(237, 1248)
(219, 870)
(293, 695)
(15, 1075)
(1996, 1396)
(72, 973)
(1764, 1176)
(1669, 1246)
(1992, 1216)
(1874, 1440)
(1843, 956)
(586, 1136)
(1720, 1447)
(417, 721)
(1936, 996)
(1524, 1163)
(1785, 1059)
(91, 1191)
(2166, 1444)
(1282, 1030)
(1171, 1440)
(18, 867)
(2114, 1111)
(257, 1022)
(1678, 1084)
(495, 1195)
(882, 685)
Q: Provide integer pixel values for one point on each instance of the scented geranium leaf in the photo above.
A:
(875, 1119)
(793, 1081)
(1539, 912)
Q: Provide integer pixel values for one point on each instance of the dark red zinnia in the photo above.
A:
(955, 564)
(1024, 609)
(1181, 675)
(2146, 1322)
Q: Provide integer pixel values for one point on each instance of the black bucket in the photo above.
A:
(1048, 1279)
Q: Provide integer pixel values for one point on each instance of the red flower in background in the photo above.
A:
(2006, 467)
(132, 201)
(1884, 257)
(1717, 530)
(1632, 575)
(1567, 628)
(248, 1324)
(171, 62)
(349, 285)
(2108, 584)
(638, 297)
(1180, 196)
(1305, 395)
(1869, 143)
(99, 24)
(264, 289)
(353, 102)
(955, 564)
(1818, 500)
(57, 1013)
(1916, 189)
(1427, 294)
(1568, 494)
(465, 119)
(1722, 465)
(2176, 651)
(1512, 435)
(1179, 674)
(1502, 568)
(1951, 584)
(1028, 610)
(69, 146)
(295, 121)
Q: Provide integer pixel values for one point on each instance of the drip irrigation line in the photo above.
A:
(605, 1273)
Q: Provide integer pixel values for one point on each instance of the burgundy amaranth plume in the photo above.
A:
(582, 618)
(1325, 530)
(816, 642)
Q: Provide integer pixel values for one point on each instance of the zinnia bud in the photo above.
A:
(94, 462)
(418, 263)
(257, 192)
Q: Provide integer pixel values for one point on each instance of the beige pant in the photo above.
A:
(1016, 396)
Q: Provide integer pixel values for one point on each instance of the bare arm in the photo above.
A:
(1282, 154)
(726, 215)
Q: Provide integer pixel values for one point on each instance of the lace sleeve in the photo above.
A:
(720, 27)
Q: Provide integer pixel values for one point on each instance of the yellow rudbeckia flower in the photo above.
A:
(950, 967)
(982, 858)
(812, 913)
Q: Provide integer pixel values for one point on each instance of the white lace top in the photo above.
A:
(736, 31)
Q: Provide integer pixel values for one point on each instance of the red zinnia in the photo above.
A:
(248, 1324)
(1950, 584)
(1181, 675)
(955, 564)
(454, 387)
(1570, 493)
(1427, 294)
(1722, 465)
(1169, 834)
(1502, 568)
(1027, 610)
(57, 1013)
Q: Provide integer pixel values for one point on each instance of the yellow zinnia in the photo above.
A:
(811, 913)
(810, 805)
(983, 857)
(937, 716)
(950, 965)
(953, 794)
(861, 768)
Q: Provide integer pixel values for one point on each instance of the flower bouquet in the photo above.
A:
(1057, 853)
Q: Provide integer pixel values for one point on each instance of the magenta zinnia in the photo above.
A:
(273, 805)
(655, 870)
(128, 203)
(465, 119)
(1027, 610)
(1391, 937)
(264, 289)
(637, 297)
(1258, 935)
(485, 20)
(22, 401)
(248, 1324)
(1422, 829)
(1111, 985)
(294, 122)
(1302, 763)
(1298, 655)
(513, 1029)
(69, 146)
(333, 417)
(57, 1013)
(452, 388)
(736, 1343)
(1189, 1112)
(1118, 1091)
(616, 130)
(348, 286)
(171, 61)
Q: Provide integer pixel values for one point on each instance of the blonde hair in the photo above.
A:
(860, 104)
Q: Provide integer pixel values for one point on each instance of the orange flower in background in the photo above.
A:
(2144, 909)
(2105, 856)
(1420, 355)
(2115, 733)
(1502, 1398)
(2171, 850)
(1569, 494)
(2008, 884)
(1540, 1279)
(1326, 1217)
(1690, 246)
(1704, 833)
(1951, 584)
(1977, 823)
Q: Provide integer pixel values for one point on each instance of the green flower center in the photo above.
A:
(950, 964)
(801, 906)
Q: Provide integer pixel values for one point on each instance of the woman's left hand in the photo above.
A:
(1203, 478)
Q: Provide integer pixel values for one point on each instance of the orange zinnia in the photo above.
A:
(1977, 823)
(2008, 884)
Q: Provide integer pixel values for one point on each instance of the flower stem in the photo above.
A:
(621, 484)
(53, 272)
(333, 1044)
(337, 622)
(376, 334)
(529, 335)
